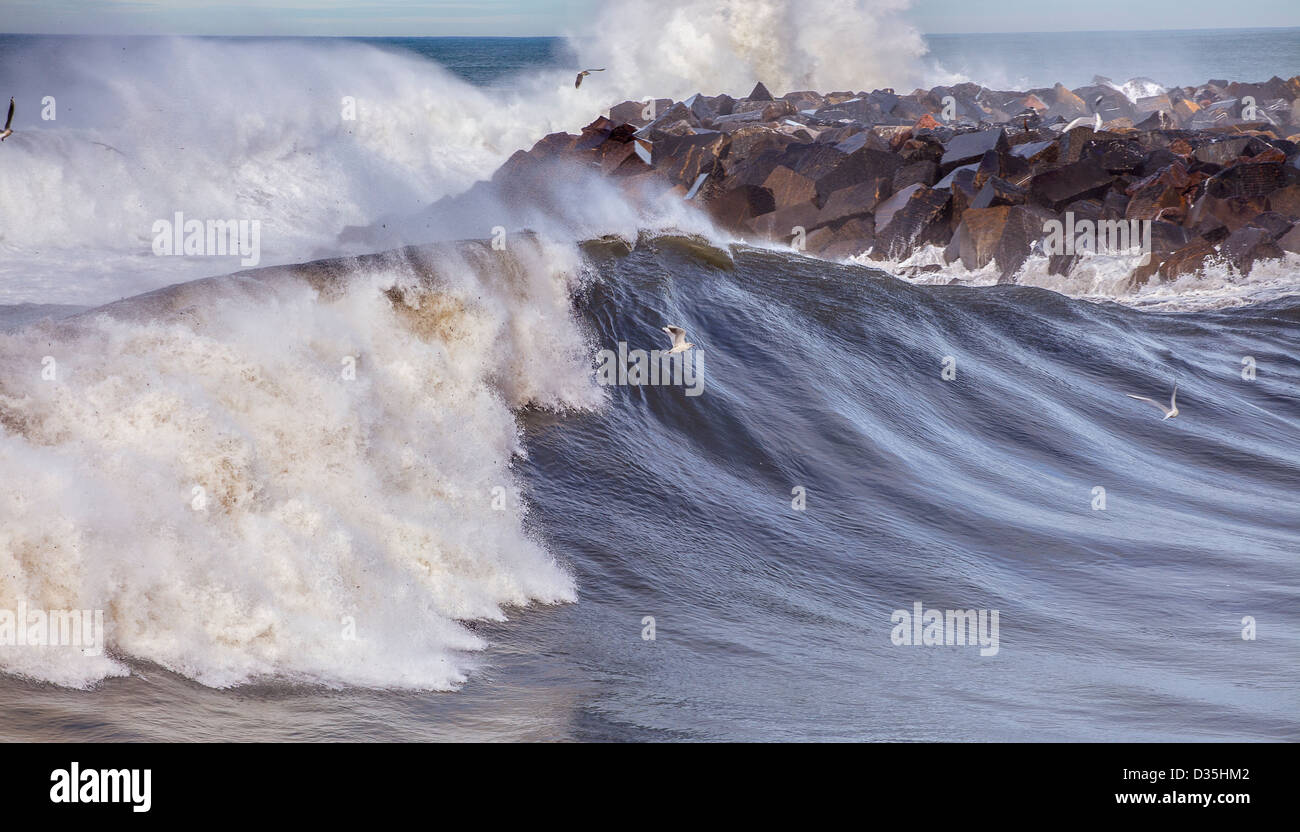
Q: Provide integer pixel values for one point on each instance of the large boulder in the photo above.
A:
(1004, 233)
(1285, 201)
(1038, 153)
(1245, 246)
(735, 207)
(1118, 156)
(752, 169)
(1246, 179)
(855, 200)
(788, 187)
(1066, 104)
(1231, 213)
(1274, 223)
(634, 112)
(863, 139)
(1222, 152)
(864, 165)
(683, 158)
(781, 223)
(924, 172)
(804, 100)
(971, 147)
(1290, 241)
(751, 141)
(1190, 259)
(1060, 186)
(847, 239)
(921, 220)
(998, 191)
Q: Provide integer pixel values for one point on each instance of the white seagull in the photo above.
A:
(1170, 412)
(8, 131)
(680, 344)
(1082, 120)
(578, 81)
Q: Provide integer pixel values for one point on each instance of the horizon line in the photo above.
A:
(560, 36)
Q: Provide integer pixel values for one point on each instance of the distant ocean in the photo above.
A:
(466, 538)
(1004, 61)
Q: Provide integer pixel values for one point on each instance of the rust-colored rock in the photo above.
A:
(848, 239)
(1190, 259)
(1285, 201)
(998, 191)
(683, 158)
(788, 187)
(855, 200)
(1004, 233)
(921, 220)
(735, 207)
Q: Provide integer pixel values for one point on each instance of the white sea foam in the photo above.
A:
(237, 130)
(325, 501)
(325, 497)
(254, 129)
(674, 48)
(1109, 278)
(1136, 88)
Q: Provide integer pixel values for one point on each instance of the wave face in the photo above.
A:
(374, 500)
(975, 493)
(239, 470)
(332, 504)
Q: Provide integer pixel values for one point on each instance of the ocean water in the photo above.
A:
(1171, 58)
(421, 518)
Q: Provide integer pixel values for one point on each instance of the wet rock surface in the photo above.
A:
(978, 172)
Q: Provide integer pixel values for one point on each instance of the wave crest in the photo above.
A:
(325, 498)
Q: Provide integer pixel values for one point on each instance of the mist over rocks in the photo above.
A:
(980, 173)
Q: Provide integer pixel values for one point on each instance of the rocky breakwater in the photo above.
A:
(990, 176)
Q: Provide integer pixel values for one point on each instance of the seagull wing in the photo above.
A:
(1173, 398)
(578, 82)
(1163, 409)
(678, 335)
(10, 120)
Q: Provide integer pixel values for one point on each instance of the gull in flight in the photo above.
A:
(578, 81)
(8, 131)
(1170, 412)
(680, 344)
(1082, 120)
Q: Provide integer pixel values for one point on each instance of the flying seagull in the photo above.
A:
(578, 81)
(1096, 118)
(1170, 412)
(8, 131)
(680, 344)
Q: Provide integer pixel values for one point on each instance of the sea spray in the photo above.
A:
(346, 523)
(674, 49)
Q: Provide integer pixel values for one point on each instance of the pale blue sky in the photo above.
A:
(548, 17)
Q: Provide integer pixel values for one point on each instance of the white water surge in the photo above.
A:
(326, 500)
